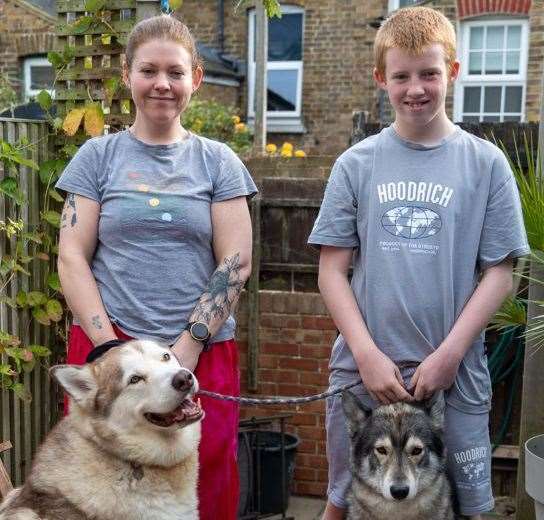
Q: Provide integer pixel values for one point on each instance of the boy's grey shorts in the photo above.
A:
(466, 436)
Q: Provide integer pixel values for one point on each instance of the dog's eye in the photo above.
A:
(381, 450)
(166, 356)
(416, 450)
(135, 379)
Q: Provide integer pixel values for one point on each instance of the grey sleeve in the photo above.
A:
(80, 176)
(233, 179)
(336, 224)
(503, 233)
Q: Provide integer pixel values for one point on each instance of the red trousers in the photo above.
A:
(217, 370)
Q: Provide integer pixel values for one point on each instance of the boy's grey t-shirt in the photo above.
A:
(154, 256)
(424, 222)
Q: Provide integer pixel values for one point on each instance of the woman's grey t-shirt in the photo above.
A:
(424, 223)
(154, 255)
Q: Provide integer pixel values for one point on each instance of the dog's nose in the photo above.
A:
(399, 492)
(182, 380)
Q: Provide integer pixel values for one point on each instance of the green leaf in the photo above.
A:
(50, 170)
(35, 298)
(21, 299)
(21, 392)
(39, 350)
(10, 302)
(44, 99)
(68, 54)
(7, 370)
(29, 366)
(54, 310)
(14, 352)
(53, 217)
(83, 24)
(111, 85)
(55, 195)
(41, 316)
(94, 5)
(53, 281)
(10, 187)
(7, 339)
(33, 237)
(55, 59)
(175, 4)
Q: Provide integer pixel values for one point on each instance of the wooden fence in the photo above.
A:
(25, 423)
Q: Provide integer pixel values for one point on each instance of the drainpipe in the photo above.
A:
(221, 26)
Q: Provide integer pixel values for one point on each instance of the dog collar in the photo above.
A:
(100, 350)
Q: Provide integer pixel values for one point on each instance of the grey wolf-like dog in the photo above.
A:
(397, 461)
(128, 449)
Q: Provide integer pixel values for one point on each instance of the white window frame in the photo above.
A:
(27, 64)
(393, 5)
(490, 80)
(274, 65)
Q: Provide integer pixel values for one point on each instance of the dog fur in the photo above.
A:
(128, 449)
(397, 460)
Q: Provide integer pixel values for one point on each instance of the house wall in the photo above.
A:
(338, 59)
(24, 31)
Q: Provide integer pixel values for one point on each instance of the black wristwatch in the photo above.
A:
(199, 332)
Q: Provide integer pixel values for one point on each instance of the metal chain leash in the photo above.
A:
(278, 400)
(255, 401)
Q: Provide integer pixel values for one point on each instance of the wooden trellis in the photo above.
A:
(98, 57)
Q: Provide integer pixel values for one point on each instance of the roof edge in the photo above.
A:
(36, 10)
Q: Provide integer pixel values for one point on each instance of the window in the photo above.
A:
(284, 67)
(398, 4)
(491, 86)
(38, 74)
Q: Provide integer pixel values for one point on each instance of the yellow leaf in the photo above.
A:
(300, 153)
(73, 120)
(94, 120)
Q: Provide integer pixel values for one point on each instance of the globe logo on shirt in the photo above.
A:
(411, 222)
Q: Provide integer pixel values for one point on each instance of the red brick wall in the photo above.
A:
(296, 335)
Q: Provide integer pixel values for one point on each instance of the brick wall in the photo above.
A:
(535, 65)
(296, 335)
(24, 31)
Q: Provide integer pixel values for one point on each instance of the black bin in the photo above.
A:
(259, 459)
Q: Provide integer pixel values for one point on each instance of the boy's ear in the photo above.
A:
(454, 70)
(198, 75)
(379, 78)
(124, 75)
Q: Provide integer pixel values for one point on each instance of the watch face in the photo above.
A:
(200, 331)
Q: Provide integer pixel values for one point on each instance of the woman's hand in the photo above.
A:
(187, 351)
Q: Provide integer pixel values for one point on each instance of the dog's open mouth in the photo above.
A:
(186, 413)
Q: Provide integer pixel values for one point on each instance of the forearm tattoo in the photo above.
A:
(69, 211)
(95, 320)
(222, 292)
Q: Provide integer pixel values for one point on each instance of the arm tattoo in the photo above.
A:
(69, 207)
(95, 320)
(223, 290)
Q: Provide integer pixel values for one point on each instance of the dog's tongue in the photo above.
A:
(187, 410)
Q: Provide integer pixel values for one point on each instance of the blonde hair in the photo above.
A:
(162, 27)
(412, 29)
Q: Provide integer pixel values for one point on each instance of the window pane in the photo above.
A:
(471, 119)
(493, 63)
(404, 3)
(513, 38)
(41, 76)
(512, 62)
(475, 63)
(492, 99)
(512, 118)
(285, 38)
(471, 101)
(495, 37)
(491, 119)
(512, 102)
(282, 90)
(476, 38)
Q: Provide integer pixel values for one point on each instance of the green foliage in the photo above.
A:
(27, 244)
(217, 121)
(272, 7)
(8, 96)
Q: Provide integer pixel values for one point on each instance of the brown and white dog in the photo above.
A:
(128, 448)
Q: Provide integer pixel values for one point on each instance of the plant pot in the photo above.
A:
(534, 473)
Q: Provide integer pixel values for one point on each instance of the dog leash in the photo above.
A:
(279, 400)
(255, 401)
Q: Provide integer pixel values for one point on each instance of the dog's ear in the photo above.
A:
(355, 411)
(77, 381)
(435, 406)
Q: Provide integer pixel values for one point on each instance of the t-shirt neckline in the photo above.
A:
(160, 147)
(418, 146)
